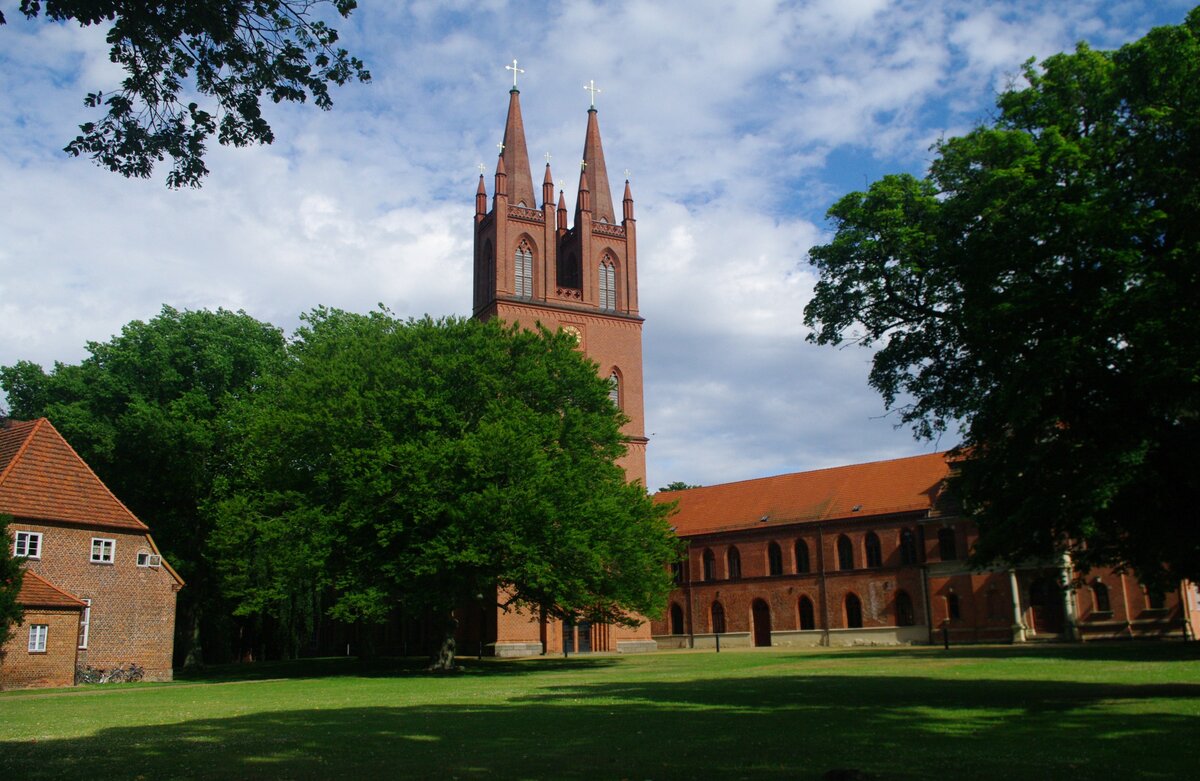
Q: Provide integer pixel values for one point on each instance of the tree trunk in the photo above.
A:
(443, 659)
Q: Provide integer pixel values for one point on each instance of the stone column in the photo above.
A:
(1070, 615)
(1018, 627)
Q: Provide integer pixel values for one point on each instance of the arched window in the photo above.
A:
(874, 550)
(952, 607)
(845, 553)
(676, 619)
(774, 559)
(947, 546)
(523, 269)
(608, 285)
(802, 564)
(733, 563)
(853, 612)
(677, 573)
(908, 547)
(710, 565)
(904, 609)
(807, 620)
(614, 389)
(718, 618)
(1100, 592)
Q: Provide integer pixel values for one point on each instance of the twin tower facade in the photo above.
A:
(532, 267)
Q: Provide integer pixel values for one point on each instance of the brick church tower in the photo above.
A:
(531, 268)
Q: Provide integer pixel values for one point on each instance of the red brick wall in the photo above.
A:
(133, 608)
(56, 667)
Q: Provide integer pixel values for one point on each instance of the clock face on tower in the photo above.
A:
(573, 332)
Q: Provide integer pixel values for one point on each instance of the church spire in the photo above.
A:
(597, 176)
(514, 155)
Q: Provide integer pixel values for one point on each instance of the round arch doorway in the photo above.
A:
(760, 613)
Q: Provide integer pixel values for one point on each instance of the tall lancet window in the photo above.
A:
(614, 389)
(608, 285)
(523, 267)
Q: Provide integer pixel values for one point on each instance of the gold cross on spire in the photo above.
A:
(547, 156)
(515, 71)
(500, 146)
(592, 88)
(482, 168)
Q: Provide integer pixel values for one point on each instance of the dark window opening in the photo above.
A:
(774, 559)
(908, 547)
(718, 618)
(845, 550)
(904, 609)
(874, 550)
(807, 619)
(952, 608)
(570, 274)
(733, 561)
(676, 619)
(677, 573)
(710, 566)
(1100, 592)
(947, 544)
(853, 612)
(802, 564)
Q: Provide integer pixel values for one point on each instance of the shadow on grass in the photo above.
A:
(381, 667)
(785, 726)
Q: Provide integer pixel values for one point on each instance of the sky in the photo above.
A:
(740, 124)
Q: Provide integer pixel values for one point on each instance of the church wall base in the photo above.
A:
(511, 649)
(636, 646)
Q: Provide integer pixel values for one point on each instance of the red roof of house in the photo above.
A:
(38, 592)
(42, 477)
(857, 491)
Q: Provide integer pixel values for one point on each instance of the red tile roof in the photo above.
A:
(42, 477)
(38, 592)
(878, 488)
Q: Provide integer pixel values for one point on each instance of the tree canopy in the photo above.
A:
(232, 51)
(437, 464)
(144, 410)
(10, 584)
(677, 485)
(1038, 289)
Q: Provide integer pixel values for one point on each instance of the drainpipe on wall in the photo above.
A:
(687, 588)
(824, 592)
(925, 600)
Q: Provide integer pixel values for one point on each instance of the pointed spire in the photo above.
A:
(628, 202)
(583, 201)
(515, 156)
(593, 158)
(562, 211)
(501, 176)
(547, 185)
(481, 196)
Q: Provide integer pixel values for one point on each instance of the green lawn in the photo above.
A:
(1097, 711)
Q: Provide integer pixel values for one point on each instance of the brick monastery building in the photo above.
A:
(96, 592)
(863, 554)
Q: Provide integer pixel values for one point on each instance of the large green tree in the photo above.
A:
(434, 465)
(10, 584)
(1040, 289)
(176, 53)
(145, 411)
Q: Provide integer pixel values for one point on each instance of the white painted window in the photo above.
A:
(608, 286)
(37, 638)
(103, 549)
(524, 271)
(85, 623)
(28, 544)
(143, 558)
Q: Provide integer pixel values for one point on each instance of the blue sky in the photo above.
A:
(741, 122)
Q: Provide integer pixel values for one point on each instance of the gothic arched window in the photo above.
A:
(733, 562)
(676, 619)
(904, 609)
(947, 545)
(874, 550)
(614, 389)
(845, 551)
(807, 619)
(908, 547)
(710, 565)
(608, 285)
(853, 612)
(523, 269)
(774, 559)
(1100, 592)
(802, 564)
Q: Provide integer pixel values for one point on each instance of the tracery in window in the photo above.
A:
(523, 269)
(608, 285)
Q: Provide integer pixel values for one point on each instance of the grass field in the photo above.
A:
(1096, 711)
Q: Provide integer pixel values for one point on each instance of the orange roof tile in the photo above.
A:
(856, 491)
(38, 592)
(42, 477)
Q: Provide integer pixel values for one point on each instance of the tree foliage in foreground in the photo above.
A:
(232, 51)
(1040, 288)
(144, 411)
(10, 584)
(436, 464)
